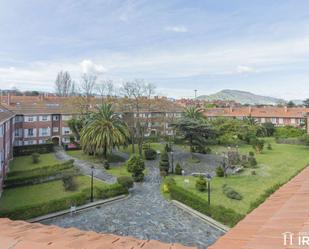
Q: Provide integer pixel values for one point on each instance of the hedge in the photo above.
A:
(30, 149)
(110, 191)
(77, 199)
(224, 215)
(39, 175)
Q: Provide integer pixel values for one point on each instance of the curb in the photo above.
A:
(79, 208)
(210, 221)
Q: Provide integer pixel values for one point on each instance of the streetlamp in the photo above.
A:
(208, 179)
(172, 155)
(91, 194)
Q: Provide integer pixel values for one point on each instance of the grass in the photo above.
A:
(39, 193)
(155, 146)
(274, 167)
(122, 171)
(79, 154)
(25, 162)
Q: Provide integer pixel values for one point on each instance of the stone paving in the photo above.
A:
(145, 215)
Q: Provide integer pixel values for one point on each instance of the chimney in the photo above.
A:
(285, 109)
(9, 98)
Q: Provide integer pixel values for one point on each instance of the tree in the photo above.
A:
(105, 89)
(87, 84)
(63, 84)
(196, 132)
(269, 129)
(136, 92)
(290, 104)
(306, 103)
(76, 126)
(164, 163)
(103, 131)
(193, 112)
(136, 166)
(258, 145)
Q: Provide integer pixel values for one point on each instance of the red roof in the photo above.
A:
(23, 235)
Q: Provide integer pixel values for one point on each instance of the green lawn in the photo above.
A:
(22, 196)
(155, 146)
(274, 166)
(122, 171)
(25, 162)
(94, 159)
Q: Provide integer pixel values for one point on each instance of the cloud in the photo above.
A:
(88, 66)
(245, 69)
(177, 29)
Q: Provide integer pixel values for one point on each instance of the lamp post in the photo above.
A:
(208, 178)
(91, 194)
(172, 155)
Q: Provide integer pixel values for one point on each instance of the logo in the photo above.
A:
(292, 239)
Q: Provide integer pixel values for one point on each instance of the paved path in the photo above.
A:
(146, 215)
(85, 167)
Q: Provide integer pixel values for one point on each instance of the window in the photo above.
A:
(30, 119)
(292, 120)
(18, 119)
(44, 118)
(18, 132)
(44, 132)
(56, 118)
(66, 130)
(30, 132)
(55, 129)
(1, 131)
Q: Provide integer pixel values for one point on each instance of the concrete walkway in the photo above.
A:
(85, 167)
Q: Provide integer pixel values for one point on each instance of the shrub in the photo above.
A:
(110, 190)
(35, 157)
(231, 193)
(219, 171)
(201, 184)
(69, 183)
(150, 154)
(178, 169)
(269, 147)
(125, 181)
(39, 175)
(252, 161)
(251, 153)
(167, 148)
(257, 144)
(225, 215)
(168, 181)
(253, 172)
(136, 166)
(106, 164)
(288, 132)
(164, 163)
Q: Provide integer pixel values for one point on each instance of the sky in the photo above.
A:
(260, 46)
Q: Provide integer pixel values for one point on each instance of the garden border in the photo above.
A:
(210, 221)
(79, 208)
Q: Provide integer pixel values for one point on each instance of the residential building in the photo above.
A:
(279, 116)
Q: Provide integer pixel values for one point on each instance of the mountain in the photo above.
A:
(242, 97)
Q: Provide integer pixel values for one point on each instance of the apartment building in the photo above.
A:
(6, 141)
(279, 116)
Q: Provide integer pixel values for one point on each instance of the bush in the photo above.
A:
(269, 147)
(106, 164)
(27, 150)
(164, 163)
(167, 148)
(125, 181)
(253, 172)
(288, 132)
(201, 184)
(251, 153)
(168, 181)
(35, 157)
(225, 215)
(69, 183)
(136, 166)
(39, 175)
(252, 161)
(178, 169)
(231, 193)
(111, 190)
(219, 171)
(150, 154)
(257, 144)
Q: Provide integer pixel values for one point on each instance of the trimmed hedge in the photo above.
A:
(225, 215)
(111, 191)
(39, 175)
(77, 199)
(27, 150)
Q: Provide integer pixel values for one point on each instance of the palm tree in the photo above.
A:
(103, 131)
(193, 112)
